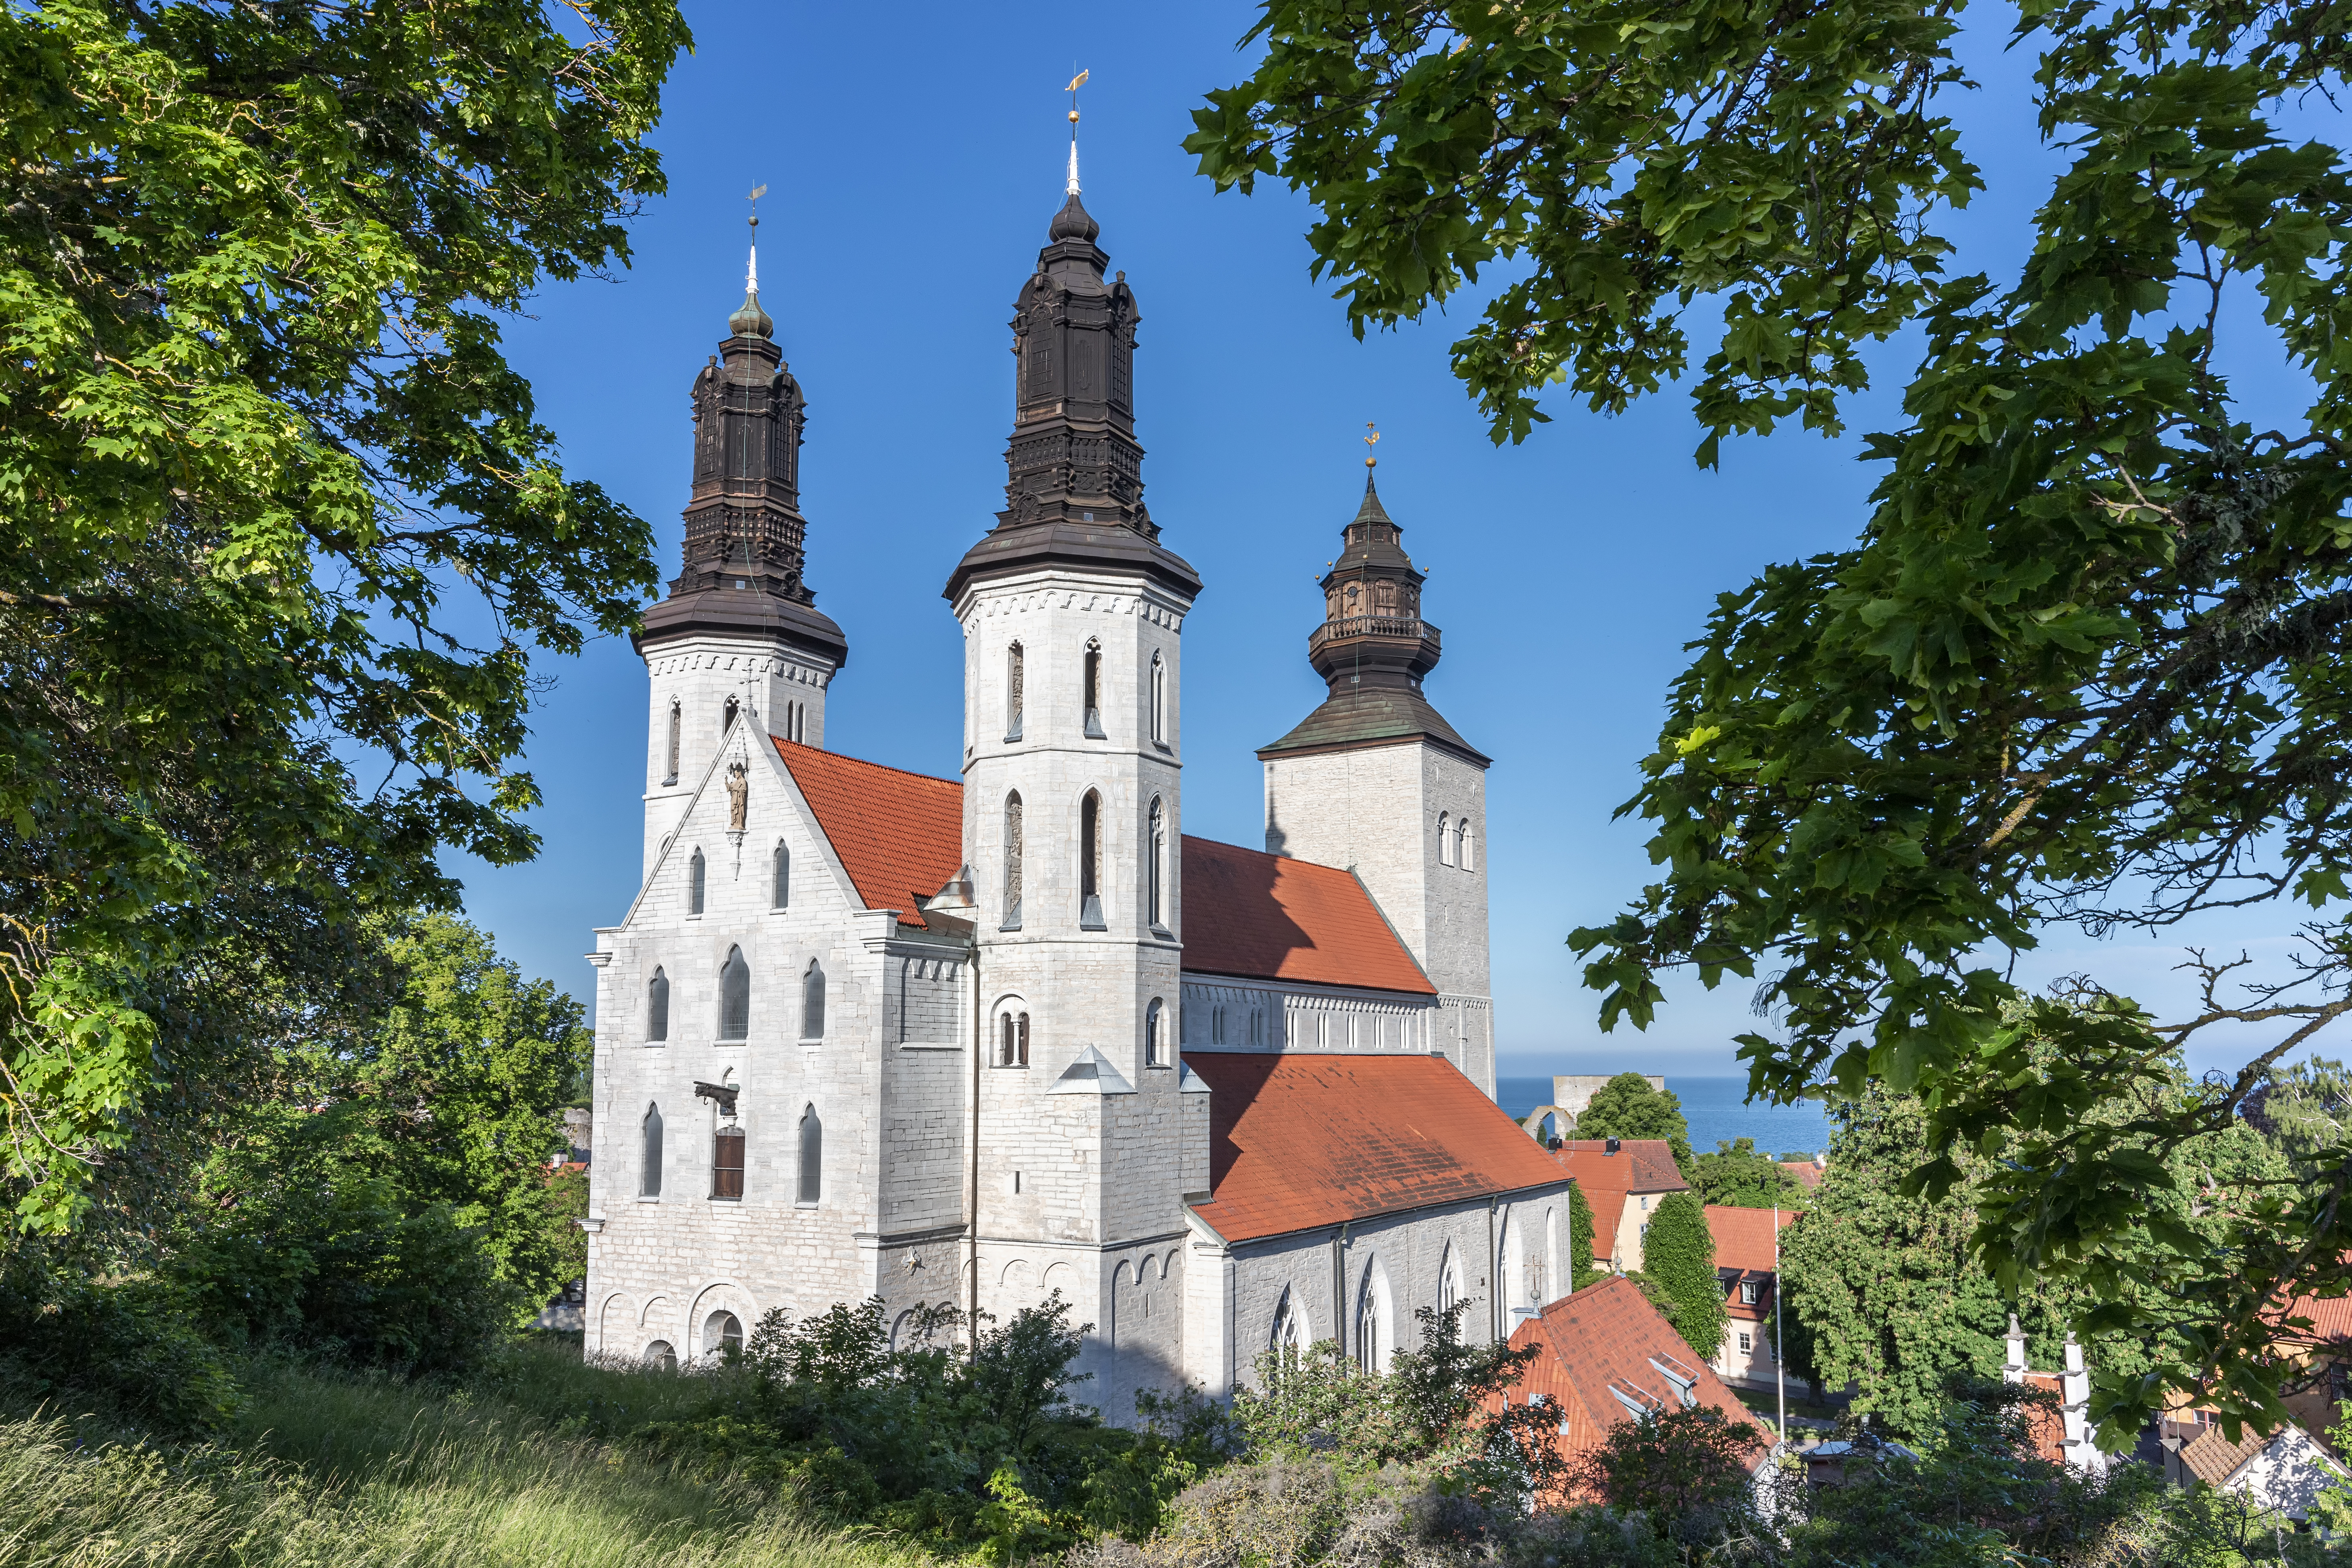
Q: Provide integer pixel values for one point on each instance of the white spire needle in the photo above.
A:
(1073, 187)
(751, 276)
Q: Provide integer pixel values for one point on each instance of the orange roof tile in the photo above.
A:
(1266, 916)
(1605, 1340)
(1607, 1207)
(1743, 1237)
(1640, 1165)
(899, 835)
(2213, 1459)
(1300, 1140)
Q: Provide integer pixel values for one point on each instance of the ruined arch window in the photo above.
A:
(1469, 850)
(1012, 1039)
(676, 722)
(812, 1181)
(650, 1154)
(813, 1002)
(722, 1332)
(694, 884)
(1159, 700)
(727, 1163)
(658, 1006)
(1155, 859)
(1013, 848)
(1093, 680)
(726, 715)
(1090, 856)
(1014, 682)
(734, 997)
(1444, 838)
(780, 896)
(1155, 1035)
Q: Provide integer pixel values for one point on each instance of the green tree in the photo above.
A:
(1582, 1269)
(274, 509)
(2082, 661)
(1627, 1107)
(1678, 1257)
(1737, 1176)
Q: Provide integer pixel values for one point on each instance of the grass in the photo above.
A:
(325, 1470)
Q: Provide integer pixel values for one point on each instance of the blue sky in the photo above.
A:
(911, 174)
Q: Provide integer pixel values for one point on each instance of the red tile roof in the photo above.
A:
(1743, 1237)
(1607, 1337)
(1300, 1140)
(1640, 1165)
(899, 835)
(1266, 916)
(1808, 1174)
(2213, 1459)
(2331, 1319)
(1607, 1207)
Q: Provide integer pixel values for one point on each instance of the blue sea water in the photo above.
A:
(1716, 1107)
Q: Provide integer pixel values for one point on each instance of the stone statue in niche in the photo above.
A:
(739, 795)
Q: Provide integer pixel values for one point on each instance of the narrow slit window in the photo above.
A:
(1090, 909)
(677, 720)
(694, 884)
(1013, 849)
(812, 1184)
(1014, 680)
(657, 1006)
(650, 1166)
(727, 1163)
(1155, 1035)
(1444, 839)
(1155, 859)
(812, 1002)
(735, 998)
(1094, 693)
(780, 895)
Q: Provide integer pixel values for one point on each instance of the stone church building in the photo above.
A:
(975, 1041)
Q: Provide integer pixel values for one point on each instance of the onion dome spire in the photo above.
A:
(745, 536)
(1074, 487)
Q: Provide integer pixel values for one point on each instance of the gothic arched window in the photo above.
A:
(1444, 838)
(658, 1006)
(780, 895)
(812, 1002)
(694, 883)
(1014, 682)
(1368, 1329)
(1289, 1336)
(726, 716)
(1155, 857)
(812, 1156)
(1155, 1035)
(1013, 848)
(1090, 833)
(1159, 700)
(1093, 692)
(649, 1167)
(735, 998)
(677, 721)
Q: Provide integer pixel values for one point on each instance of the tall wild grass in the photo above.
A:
(326, 1472)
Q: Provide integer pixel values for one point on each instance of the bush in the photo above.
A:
(126, 1350)
(1678, 1256)
(342, 1267)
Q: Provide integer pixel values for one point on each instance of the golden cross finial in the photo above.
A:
(1370, 442)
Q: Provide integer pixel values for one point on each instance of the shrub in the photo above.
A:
(126, 1348)
(1678, 1256)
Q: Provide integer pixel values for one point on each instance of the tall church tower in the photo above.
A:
(1376, 781)
(740, 636)
(1091, 1131)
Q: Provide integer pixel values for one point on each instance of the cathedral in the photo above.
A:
(976, 1042)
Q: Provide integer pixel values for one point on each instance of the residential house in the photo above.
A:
(1746, 1264)
(1623, 1179)
(2286, 1470)
(1606, 1357)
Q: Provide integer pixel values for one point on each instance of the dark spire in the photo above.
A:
(1372, 648)
(1073, 489)
(745, 537)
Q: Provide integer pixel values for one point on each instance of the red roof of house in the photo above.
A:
(1640, 1165)
(1743, 1237)
(2331, 1318)
(1299, 1140)
(1606, 1351)
(1808, 1174)
(1607, 1207)
(1266, 916)
(899, 835)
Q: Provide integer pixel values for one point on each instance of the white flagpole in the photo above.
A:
(1779, 1343)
